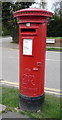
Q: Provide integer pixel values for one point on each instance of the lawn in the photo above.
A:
(50, 109)
(54, 49)
(54, 37)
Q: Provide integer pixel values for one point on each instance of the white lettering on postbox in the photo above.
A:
(27, 46)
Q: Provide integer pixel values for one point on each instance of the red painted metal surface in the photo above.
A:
(32, 47)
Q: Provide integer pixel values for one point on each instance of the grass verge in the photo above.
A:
(54, 49)
(51, 107)
(54, 37)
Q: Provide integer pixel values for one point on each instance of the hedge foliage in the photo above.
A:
(10, 26)
(55, 27)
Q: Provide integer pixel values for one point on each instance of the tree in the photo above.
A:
(39, 4)
(7, 17)
(55, 26)
(43, 3)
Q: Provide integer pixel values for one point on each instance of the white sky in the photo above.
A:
(49, 4)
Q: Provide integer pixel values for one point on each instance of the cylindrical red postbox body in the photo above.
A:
(32, 47)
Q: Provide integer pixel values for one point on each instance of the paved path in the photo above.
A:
(0, 116)
(14, 115)
(9, 70)
(2, 108)
(10, 114)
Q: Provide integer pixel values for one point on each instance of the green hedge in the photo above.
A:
(5, 31)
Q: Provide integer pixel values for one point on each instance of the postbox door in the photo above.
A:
(30, 66)
(32, 61)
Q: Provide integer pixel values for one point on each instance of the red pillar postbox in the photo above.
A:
(32, 47)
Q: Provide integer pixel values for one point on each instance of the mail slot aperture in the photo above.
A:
(28, 30)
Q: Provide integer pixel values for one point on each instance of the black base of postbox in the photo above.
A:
(31, 103)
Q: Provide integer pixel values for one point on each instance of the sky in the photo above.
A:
(49, 4)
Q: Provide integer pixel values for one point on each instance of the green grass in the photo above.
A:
(56, 49)
(0, 94)
(10, 97)
(54, 37)
(50, 109)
